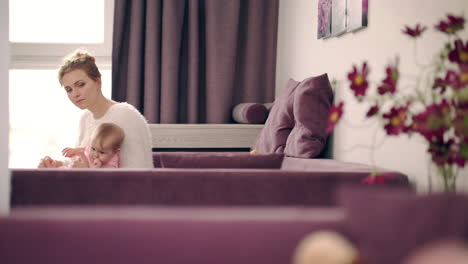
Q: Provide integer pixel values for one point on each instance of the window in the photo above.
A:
(42, 119)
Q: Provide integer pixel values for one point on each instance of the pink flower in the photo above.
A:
(373, 111)
(378, 178)
(460, 123)
(461, 156)
(441, 84)
(336, 111)
(452, 25)
(389, 83)
(358, 80)
(414, 32)
(439, 115)
(453, 79)
(433, 122)
(395, 120)
(459, 54)
(443, 151)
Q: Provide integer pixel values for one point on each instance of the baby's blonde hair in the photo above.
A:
(108, 135)
(80, 59)
(325, 247)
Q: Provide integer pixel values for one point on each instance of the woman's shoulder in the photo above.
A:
(124, 107)
(125, 111)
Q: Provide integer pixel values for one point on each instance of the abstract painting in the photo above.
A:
(338, 17)
(324, 19)
(356, 14)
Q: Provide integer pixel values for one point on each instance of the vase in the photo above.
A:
(447, 173)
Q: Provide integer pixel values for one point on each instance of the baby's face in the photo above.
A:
(102, 155)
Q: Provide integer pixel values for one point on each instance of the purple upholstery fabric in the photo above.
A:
(256, 187)
(221, 160)
(158, 235)
(250, 113)
(395, 221)
(335, 167)
(312, 100)
(280, 122)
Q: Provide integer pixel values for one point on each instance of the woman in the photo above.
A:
(81, 79)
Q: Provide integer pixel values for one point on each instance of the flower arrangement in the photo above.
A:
(436, 107)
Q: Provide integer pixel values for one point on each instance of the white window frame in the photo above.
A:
(49, 55)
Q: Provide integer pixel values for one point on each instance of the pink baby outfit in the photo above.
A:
(112, 163)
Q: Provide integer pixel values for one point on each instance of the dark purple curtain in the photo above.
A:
(192, 61)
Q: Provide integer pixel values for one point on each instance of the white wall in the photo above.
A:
(4, 120)
(301, 54)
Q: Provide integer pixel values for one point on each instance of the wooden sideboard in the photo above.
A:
(204, 136)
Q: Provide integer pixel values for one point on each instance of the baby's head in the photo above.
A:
(106, 142)
(326, 247)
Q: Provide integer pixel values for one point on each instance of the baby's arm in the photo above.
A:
(71, 152)
(82, 162)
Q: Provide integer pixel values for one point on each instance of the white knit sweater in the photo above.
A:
(136, 149)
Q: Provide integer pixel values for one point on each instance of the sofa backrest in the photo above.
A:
(226, 160)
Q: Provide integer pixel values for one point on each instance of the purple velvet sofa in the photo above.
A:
(217, 208)
(196, 179)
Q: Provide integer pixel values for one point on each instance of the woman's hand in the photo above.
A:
(48, 162)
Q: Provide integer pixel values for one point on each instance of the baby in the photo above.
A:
(103, 151)
(326, 247)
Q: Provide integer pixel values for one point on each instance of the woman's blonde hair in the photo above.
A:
(80, 59)
(108, 135)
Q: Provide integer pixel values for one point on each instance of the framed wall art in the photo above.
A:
(324, 19)
(336, 17)
(356, 15)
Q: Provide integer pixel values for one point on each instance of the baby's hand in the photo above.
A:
(97, 163)
(48, 162)
(71, 152)
(81, 162)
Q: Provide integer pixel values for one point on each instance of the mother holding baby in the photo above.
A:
(81, 79)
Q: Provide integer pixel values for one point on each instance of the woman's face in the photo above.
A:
(81, 90)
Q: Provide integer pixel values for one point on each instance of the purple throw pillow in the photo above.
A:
(280, 122)
(312, 101)
(388, 224)
(220, 160)
(250, 113)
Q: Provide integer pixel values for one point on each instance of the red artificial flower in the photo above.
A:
(414, 32)
(358, 81)
(440, 83)
(461, 157)
(433, 122)
(336, 111)
(443, 152)
(459, 54)
(455, 80)
(452, 25)
(460, 123)
(373, 111)
(389, 83)
(378, 178)
(396, 120)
